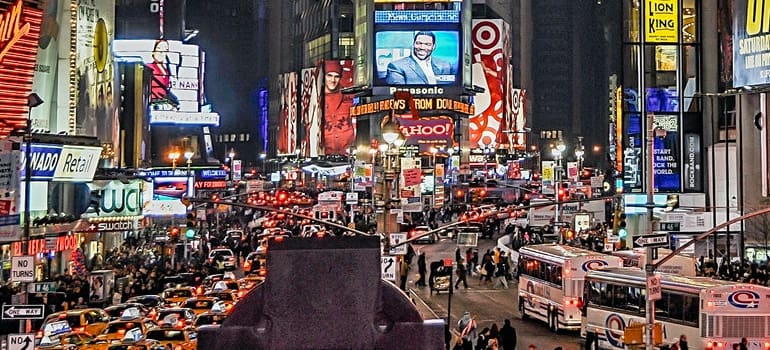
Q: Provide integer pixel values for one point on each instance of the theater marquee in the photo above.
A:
(422, 104)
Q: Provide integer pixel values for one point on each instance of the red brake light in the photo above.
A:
(121, 331)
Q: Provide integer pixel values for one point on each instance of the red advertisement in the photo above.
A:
(490, 69)
(412, 177)
(338, 126)
(287, 120)
(18, 49)
(311, 112)
(427, 132)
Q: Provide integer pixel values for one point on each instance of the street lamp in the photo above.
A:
(174, 156)
(434, 151)
(556, 151)
(33, 100)
(262, 157)
(579, 152)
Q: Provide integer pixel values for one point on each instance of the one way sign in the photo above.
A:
(24, 341)
(654, 240)
(23, 312)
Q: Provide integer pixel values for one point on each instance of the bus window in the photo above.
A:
(676, 306)
(691, 309)
(597, 294)
(661, 307)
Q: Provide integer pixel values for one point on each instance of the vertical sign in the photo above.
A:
(548, 176)
(667, 154)
(439, 186)
(749, 46)
(653, 287)
(237, 169)
(10, 193)
(388, 264)
(661, 20)
(23, 269)
(692, 163)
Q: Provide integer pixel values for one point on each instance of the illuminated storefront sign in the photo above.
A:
(427, 132)
(114, 226)
(661, 21)
(117, 198)
(216, 184)
(184, 118)
(37, 246)
(423, 104)
(18, 45)
(66, 163)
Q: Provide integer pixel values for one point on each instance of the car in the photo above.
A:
(151, 301)
(116, 310)
(181, 314)
(222, 259)
(233, 237)
(174, 296)
(179, 338)
(253, 262)
(90, 320)
(215, 316)
(130, 320)
(61, 340)
(142, 344)
(419, 230)
(200, 304)
(229, 297)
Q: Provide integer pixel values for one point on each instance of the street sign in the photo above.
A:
(351, 198)
(597, 181)
(41, 287)
(389, 268)
(653, 287)
(25, 341)
(23, 312)
(22, 268)
(396, 238)
(668, 226)
(613, 239)
(653, 240)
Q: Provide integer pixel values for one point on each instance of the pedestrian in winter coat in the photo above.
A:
(508, 336)
(421, 269)
(461, 274)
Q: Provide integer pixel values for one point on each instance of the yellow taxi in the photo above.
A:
(175, 296)
(179, 338)
(184, 315)
(200, 304)
(229, 296)
(131, 320)
(65, 338)
(91, 320)
(215, 316)
(135, 340)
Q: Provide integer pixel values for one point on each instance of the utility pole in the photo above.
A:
(650, 267)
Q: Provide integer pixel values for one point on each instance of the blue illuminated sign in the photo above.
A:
(412, 16)
(45, 158)
(212, 174)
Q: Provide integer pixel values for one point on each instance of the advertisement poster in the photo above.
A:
(54, 21)
(668, 154)
(692, 163)
(517, 119)
(438, 189)
(661, 21)
(311, 112)
(632, 154)
(17, 63)
(548, 170)
(751, 54)
(417, 57)
(96, 103)
(490, 67)
(410, 167)
(287, 122)
(426, 132)
(10, 193)
(163, 197)
(339, 128)
(117, 199)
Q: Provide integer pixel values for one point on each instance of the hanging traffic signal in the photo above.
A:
(173, 233)
(622, 233)
(190, 232)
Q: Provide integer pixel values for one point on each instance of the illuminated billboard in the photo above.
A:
(18, 45)
(287, 120)
(419, 51)
(164, 196)
(311, 111)
(175, 91)
(339, 129)
(751, 65)
(490, 68)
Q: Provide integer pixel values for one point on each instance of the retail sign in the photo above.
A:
(113, 226)
(661, 21)
(212, 174)
(23, 268)
(65, 163)
(421, 104)
(38, 246)
(212, 184)
(117, 198)
(184, 118)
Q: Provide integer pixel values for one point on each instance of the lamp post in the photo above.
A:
(33, 100)
(262, 157)
(557, 152)
(579, 152)
(188, 158)
(173, 156)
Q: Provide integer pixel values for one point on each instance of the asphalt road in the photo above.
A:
(487, 305)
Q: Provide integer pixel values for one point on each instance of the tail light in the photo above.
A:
(178, 347)
(247, 265)
(199, 291)
(121, 332)
(240, 294)
(80, 329)
(152, 314)
(767, 345)
(39, 334)
(180, 324)
(228, 307)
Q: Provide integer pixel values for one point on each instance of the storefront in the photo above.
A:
(119, 216)
(53, 254)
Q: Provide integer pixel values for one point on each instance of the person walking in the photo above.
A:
(421, 270)
(501, 273)
(404, 274)
(507, 336)
(744, 344)
(466, 325)
(461, 274)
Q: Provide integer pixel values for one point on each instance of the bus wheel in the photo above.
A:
(522, 309)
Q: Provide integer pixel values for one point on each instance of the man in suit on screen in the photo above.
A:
(420, 68)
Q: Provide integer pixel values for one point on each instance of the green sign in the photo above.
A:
(42, 287)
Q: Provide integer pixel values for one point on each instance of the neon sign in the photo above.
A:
(11, 28)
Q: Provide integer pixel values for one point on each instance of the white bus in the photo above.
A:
(713, 314)
(678, 264)
(551, 282)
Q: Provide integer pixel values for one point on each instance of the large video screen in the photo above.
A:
(417, 57)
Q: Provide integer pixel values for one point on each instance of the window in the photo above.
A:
(676, 306)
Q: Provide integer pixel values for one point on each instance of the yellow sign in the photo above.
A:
(661, 21)
(547, 173)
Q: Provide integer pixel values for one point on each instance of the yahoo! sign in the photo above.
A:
(427, 132)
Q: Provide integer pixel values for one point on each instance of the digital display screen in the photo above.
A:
(417, 57)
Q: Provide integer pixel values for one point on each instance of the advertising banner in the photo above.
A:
(54, 21)
(96, 103)
(661, 21)
(10, 193)
(427, 132)
(692, 163)
(490, 66)
(408, 167)
(438, 189)
(339, 128)
(311, 112)
(548, 169)
(21, 26)
(517, 119)
(632, 154)
(287, 119)
(117, 198)
(163, 197)
(419, 50)
(668, 154)
(751, 48)
(66, 163)
(237, 169)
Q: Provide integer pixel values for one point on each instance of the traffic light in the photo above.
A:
(622, 233)
(190, 232)
(563, 192)
(173, 233)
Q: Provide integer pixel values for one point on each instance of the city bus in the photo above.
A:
(713, 314)
(683, 265)
(551, 282)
